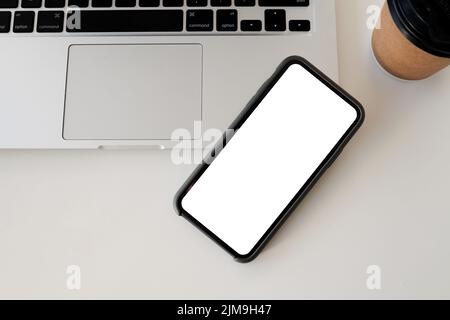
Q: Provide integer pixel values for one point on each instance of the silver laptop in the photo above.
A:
(128, 73)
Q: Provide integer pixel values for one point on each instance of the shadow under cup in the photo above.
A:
(412, 40)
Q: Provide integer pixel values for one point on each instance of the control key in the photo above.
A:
(5, 21)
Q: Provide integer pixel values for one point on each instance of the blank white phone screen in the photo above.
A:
(269, 159)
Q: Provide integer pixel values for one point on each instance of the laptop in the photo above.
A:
(129, 73)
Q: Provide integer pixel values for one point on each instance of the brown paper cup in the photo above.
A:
(398, 55)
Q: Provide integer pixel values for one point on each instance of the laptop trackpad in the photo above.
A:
(132, 92)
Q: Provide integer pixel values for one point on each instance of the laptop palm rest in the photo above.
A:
(132, 92)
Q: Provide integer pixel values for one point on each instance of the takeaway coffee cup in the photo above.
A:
(412, 40)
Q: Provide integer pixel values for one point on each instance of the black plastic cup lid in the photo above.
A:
(426, 23)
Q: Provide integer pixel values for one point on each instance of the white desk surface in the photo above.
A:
(384, 202)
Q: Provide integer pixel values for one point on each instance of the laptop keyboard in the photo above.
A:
(154, 16)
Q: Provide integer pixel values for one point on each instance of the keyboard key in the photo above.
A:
(9, 4)
(125, 3)
(173, 3)
(197, 3)
(31, 3)
(101, 3)
(128, 21)
(227, 20)
(149, 3)
(251, 25)
(50, 21)
(221, 3)
(244, 3)
(199, 20)
(55, 3)
(79, 3)
(284, 3)
(275, 20)
(23, 21)
(300, 25)
(5, 21)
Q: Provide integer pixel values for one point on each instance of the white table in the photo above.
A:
(384, 202)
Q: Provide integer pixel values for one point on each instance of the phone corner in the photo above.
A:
(245, 259)
(249, 257)
(294, 59)
(361, 112)
(177, 204)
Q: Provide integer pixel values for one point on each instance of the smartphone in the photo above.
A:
(271, 156)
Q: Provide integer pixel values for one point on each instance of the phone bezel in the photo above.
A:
(240, 120)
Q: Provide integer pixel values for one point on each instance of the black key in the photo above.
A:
(300, 25)
(221, 3)
(199, 20)
(50, 21)
(275, 20)
(31, 3)
(227, 20)
(55, 3)
(101, 3)
(23, 21)
(125, 3)
(244, 3)
(79, 3)
(128, 21)
(149, 3)
(284, 3)
(173, 3)
(9, 4)
(197, 3)
(5, 21)
(251, 25)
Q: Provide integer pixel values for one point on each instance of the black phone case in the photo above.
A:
(235, 127)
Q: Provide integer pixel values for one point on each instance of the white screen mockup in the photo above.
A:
(269, 159)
